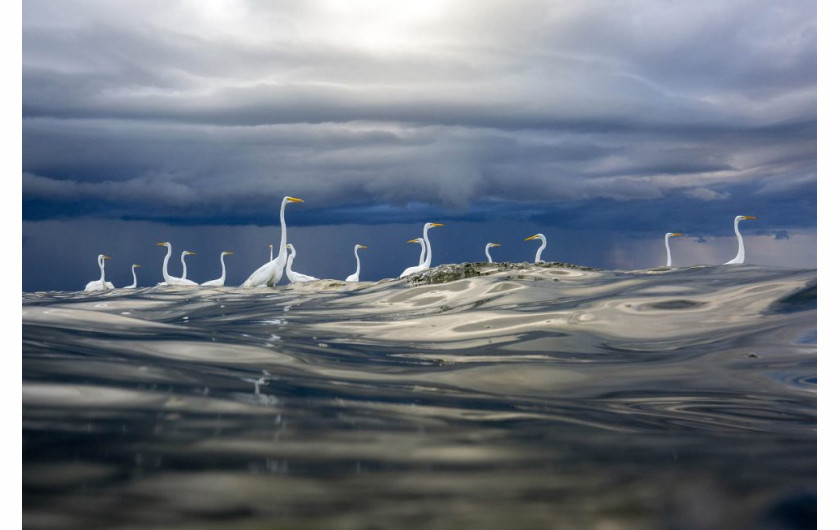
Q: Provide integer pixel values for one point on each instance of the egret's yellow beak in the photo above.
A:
(161, 244)
(495, 245)
(227, 252)
(362, 246)
(288, 245)
(750, 217)
(294, 199)
(437, 224)
(190, 253)
(136, 265)
(413, 240)
(106, 257)
(676, 234)
(530, 238)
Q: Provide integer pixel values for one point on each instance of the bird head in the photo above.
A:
(674, 234)
(227, 253)
(291, 199)
(743, 217)
(189, 253)
(432, 225)
(105, 257)
(135, 266)
(535, 236)
(495, 245)
(361, 246)
(166, 244)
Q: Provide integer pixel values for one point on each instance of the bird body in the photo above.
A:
(538, 258)
(428, 261)
(668, 236)
(295, 277)
(739, 258)
(172, 280)
(134, 275)
(220, 281)
(487, 251)
(355, 276)
(271, 273)
(100, 284)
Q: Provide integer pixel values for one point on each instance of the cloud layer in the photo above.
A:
(209, 112)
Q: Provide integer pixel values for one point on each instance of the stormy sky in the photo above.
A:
(602, 125)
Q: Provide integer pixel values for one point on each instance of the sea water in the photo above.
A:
(478, 396)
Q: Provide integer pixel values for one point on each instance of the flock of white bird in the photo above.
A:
(272, 272)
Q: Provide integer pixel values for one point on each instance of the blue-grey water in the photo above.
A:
(526, 397)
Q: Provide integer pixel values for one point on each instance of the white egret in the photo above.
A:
(428, 261)
(355, 276)
(487, 251)
(422, 243)
(133, 274)
(272, 272)
(220, 281)
(739, 258)
(184, 254)
(167, 279)
(100, 284)
(668, 236)
(542, 247)
(295, 277)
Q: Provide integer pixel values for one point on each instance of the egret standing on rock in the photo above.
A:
(172, 280)
(542, 247)
(271, 273)
(100, 284)
(295, 277)
(220, 281)
(668, 236)
(134, 275)
(184, 254)
(355, 276)
(739, 258)
(428, 261)
(487, 251)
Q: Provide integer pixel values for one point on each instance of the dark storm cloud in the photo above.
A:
(582, 114)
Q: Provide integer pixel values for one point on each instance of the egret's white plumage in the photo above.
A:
(220, 281)
(428, 261)
(487, 251)
(541, 237)
(668, 236)
(100, 284)
(172, 280)
(134, 275)
(271, 273)
(739, 258)
(184, 254)
(355, 276)
(295, 277)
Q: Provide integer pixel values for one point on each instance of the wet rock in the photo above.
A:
(458, 271)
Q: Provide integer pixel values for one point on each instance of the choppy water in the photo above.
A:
(527, 398)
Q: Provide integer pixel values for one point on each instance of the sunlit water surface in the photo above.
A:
(528, 397)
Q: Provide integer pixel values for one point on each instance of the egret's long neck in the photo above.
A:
(184, 265)
(101, 269)
(282, 251)
(740, 257)
(270, 252)
(487, 253)
(422, 252)
(539, 250)
(427, 263)
(668, 251)
(133, 275)
(166, 275)
(358, 263)
(222, 259)
(289, 260)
